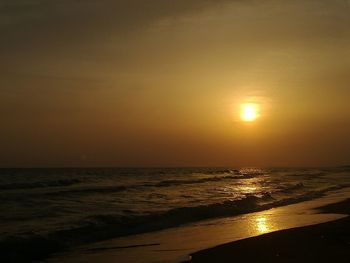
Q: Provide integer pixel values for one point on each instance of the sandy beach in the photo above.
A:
(177, 244)
(163, 131)
(326, 242)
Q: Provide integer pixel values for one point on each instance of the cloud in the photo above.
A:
(37, 24)
(44, 22)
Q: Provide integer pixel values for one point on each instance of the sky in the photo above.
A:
(161, 82)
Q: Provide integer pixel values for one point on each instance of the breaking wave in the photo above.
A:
(29, 246)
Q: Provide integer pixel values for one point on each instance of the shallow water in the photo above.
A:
(176, 244)
(76, 206)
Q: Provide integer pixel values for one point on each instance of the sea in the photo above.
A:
(46, 210)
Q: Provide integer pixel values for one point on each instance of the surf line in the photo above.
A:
(121, 247)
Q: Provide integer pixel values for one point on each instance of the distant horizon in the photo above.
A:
(121, 118)
(173, 167)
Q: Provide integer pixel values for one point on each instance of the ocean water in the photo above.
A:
(53, 209)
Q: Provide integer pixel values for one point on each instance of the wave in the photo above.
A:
(43, 184)
(116, 188)
(100, 227)
(308, 173)
(213, 175)
(92, 190)
(291, 188)
(109, 225)
(167, 183)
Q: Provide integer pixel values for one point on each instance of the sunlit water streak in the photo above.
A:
(105, 203)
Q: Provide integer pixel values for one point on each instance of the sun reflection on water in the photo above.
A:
(261, 225)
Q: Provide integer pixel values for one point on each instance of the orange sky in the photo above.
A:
(161, 83)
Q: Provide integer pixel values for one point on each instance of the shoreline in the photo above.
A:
(45, 247)
(176, 244)
(325, 242)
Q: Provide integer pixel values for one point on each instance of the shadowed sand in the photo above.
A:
(326, 242)
(176, 244)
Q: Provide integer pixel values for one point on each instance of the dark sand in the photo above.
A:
(327, 242)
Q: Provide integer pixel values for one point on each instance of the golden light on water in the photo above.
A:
(261, 225)
(249, 112)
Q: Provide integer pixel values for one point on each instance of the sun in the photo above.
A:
(249, 112)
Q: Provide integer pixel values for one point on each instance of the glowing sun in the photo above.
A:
(249, 112)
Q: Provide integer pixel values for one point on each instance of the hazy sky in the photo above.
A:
(161, 82)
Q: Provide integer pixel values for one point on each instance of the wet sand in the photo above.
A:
(326, 242)
(176, 244)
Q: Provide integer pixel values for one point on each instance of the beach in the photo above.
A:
(166, 131)
(148, 215)
(326, 242)
(180, 244)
